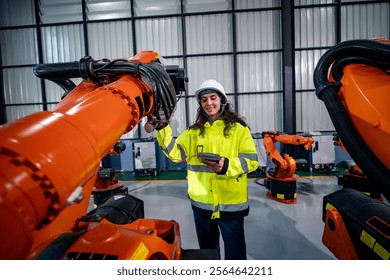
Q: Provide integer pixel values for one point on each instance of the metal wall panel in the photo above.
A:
(156, 7)
(104, 9)
(218, 67)
(18, 47)
(21, 86)
(17, 112)
(315, 27)
(51, 106)
(346, 1)
(162, 35)
(209, 44)
(110, 40)
(312, 114)
(56, 11)
(11, 13)
(262, 111)
(259, 72)
(305, 63)
(209, 33)
(178, 123)
(54, 92)
(254, 4)
(314, 2)
(258, 30)
(365, 21)
(63, 43)
(192, 109)
(192, 6)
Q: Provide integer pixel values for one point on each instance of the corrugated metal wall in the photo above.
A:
(315, 27)
(241, 49)
(365, 21)
(315, 30)
(62, 43)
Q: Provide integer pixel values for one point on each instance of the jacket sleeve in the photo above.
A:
(175, 150)
(246, 160)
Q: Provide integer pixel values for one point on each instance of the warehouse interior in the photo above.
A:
(264, 53)
(274, 230)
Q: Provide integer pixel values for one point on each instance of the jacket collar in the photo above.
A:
(215, 123)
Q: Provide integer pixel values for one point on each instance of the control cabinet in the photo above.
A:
(145, 163)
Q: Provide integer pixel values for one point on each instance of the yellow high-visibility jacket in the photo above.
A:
(226, 193)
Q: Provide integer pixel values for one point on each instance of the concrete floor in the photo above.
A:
(274, 230)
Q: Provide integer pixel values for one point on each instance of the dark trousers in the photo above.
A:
(232, 230)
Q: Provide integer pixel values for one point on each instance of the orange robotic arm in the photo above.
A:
(284, 166)
(49, 160)
(355, 94)
(352, 79)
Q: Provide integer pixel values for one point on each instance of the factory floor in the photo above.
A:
(274, 230)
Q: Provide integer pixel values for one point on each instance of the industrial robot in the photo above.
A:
(353, 80)
(281, 181)
(50, 164)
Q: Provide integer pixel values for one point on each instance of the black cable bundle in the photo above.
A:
(159, 80)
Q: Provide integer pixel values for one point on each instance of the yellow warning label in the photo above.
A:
(366, 238)
(141, 253)
(376, 247)
(382, 252)
(329, 206)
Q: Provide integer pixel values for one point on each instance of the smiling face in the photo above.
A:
(211, 103)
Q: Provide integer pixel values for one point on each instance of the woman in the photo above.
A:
(218, 190)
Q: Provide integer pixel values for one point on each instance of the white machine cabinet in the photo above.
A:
(145, 158)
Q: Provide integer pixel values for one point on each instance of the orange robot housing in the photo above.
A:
(281, 181)
(352, 79)
(49, 160)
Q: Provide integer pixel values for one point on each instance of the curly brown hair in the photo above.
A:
(229, 117)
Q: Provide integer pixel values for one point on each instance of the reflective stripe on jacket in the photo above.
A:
(207, 189)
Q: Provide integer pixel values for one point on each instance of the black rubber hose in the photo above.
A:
(327, 92)
(338, 66)
(165, 88)
(161, 84)
(57, 71)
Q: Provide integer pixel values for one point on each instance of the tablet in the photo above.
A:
(209, 156)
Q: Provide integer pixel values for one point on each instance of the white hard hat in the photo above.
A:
(211, 86)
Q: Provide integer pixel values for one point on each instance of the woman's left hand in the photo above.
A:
(216, 166)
